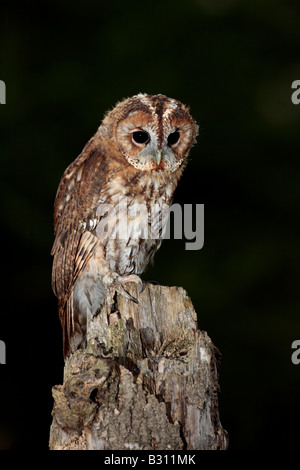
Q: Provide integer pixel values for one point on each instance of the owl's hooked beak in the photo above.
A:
(158, 157)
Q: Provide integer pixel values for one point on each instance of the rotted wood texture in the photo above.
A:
(148, 379)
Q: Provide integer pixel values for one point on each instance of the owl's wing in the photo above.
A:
(76, 202)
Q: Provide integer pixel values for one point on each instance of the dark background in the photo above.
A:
(233, 62)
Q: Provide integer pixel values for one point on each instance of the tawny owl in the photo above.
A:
(137, 155)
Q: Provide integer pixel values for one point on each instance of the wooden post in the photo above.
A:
(148, 379)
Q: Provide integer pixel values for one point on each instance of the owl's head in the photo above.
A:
(153, 133)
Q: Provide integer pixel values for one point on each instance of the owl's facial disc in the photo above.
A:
(157, 136)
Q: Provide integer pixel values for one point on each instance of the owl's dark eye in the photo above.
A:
(173, 138)
(140, 137)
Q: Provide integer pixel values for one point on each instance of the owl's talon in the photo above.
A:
(130, 278)
(154, 283)
(118, 286)
(136, 279)
(129, 297)
(120, 290)
(143, 287)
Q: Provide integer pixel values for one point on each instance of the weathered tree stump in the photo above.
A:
(148, 379)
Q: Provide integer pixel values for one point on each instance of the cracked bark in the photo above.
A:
(148, 379)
